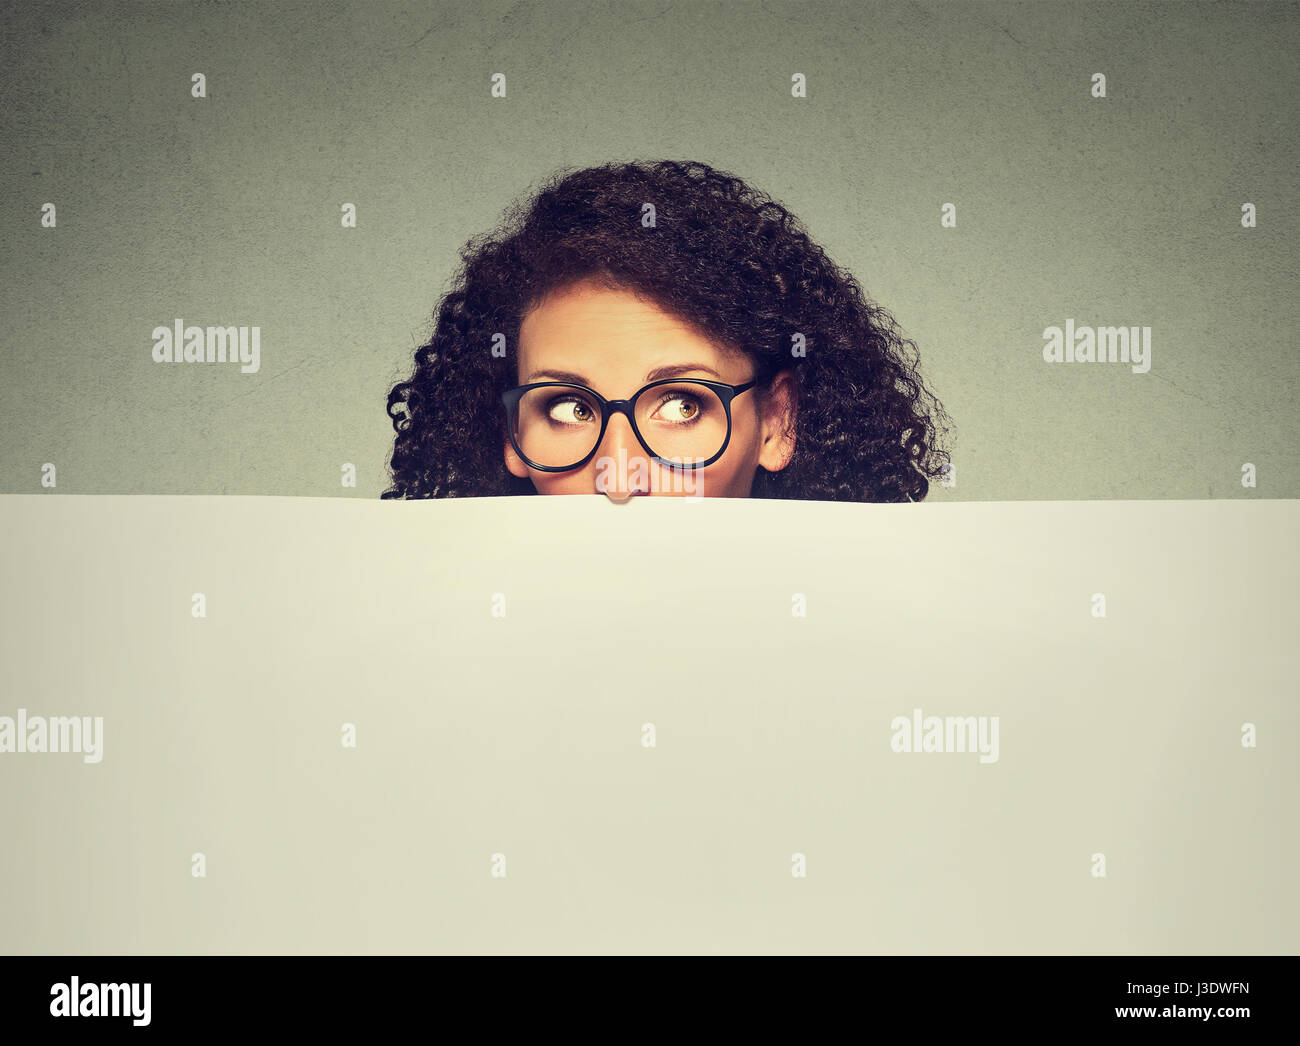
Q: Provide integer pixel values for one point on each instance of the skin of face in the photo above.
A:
(611, 340)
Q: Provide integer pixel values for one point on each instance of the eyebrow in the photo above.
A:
(675, 370)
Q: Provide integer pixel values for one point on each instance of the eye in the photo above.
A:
(679, 408)
(570, 411)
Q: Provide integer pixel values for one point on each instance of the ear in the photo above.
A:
(778, 423)
(514, 463)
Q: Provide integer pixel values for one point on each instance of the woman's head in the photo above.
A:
(700, 405)
(712, 282)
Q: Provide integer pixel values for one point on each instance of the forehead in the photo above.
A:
(595, 320)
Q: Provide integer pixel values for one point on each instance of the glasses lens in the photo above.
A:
(556, 426)
(684, 422)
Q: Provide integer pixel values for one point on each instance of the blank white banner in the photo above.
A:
(259, 724)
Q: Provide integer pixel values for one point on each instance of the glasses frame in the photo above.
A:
(608, 408)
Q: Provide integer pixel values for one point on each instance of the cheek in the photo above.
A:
(744, 439)
(563, 483)
(722, 478)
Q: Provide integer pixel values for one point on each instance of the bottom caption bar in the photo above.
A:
(162, 995)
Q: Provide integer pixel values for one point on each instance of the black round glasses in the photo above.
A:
(556, 426)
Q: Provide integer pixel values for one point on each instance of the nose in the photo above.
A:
(622, 466)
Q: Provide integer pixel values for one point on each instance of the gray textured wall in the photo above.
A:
(225, 210)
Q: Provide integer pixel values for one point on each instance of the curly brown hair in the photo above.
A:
(720, 256)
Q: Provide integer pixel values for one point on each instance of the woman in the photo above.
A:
(661, 328)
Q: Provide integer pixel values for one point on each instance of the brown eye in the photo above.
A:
(679, 408)
(570, 412)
